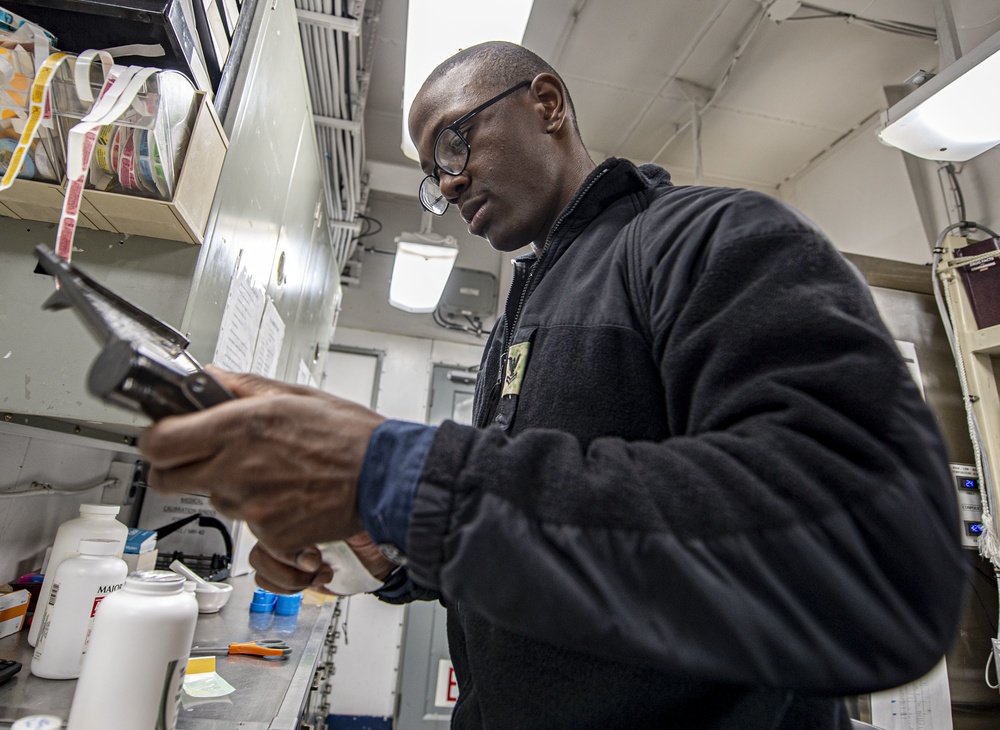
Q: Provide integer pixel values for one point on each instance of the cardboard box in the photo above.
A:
(141, 561)
(182, 219)
(140, 541)
(13, 607)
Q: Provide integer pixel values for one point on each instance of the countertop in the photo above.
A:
(269, 694)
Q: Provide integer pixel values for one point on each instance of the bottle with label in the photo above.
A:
(134, 669)
(95, 521)
(79, 586)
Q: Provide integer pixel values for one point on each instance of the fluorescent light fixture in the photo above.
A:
(438, 29)
(421, 269)
(955, 115)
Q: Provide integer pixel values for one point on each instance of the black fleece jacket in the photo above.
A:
(703, 490)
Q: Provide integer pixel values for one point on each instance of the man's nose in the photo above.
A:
(452, 185)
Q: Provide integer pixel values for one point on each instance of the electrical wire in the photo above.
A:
(367, 223)
(890, 26)
(37, 487)
(986, 674)
(980, 25)
(755, 26)
(956, 189)
(475, 324)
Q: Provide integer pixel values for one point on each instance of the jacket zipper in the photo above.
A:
(511, 325)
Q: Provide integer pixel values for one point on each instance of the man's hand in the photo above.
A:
(292, 573)
(284, 458)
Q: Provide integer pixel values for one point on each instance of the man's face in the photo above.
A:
(505, 190)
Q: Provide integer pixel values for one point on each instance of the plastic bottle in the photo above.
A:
(134, 667)
(95, 521)
(81, 583)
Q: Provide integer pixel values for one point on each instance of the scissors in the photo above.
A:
(266, 648)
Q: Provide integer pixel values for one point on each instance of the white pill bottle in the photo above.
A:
(134, 667)
(96, 521)
(81, 584)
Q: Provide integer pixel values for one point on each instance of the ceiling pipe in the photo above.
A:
(949, 46)
(698, 96)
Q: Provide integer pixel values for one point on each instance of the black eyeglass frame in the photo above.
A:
(454, 127)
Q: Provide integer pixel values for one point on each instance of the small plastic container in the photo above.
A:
(287, 605)
(262, 601)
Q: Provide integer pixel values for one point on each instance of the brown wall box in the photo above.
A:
(182, 219)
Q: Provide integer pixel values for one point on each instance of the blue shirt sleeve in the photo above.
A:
(389, 476)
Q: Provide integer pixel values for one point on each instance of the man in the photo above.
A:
(702, 490)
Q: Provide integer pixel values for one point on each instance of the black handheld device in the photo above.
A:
(144, 364)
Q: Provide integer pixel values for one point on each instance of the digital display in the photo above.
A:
(967, 483)
(975, 529)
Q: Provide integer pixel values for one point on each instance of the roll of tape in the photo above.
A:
(127, 162)
(43, 164)
(117, 139)
(144, 161)
(7, 148)
(102, 152)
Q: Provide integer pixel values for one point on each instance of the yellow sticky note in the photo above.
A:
(201, 664)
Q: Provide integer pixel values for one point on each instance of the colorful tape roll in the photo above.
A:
(7, 148)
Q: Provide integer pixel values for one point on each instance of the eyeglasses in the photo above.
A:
(451, 154)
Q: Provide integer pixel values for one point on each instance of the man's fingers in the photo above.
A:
(279, 574)
(178, 440)
(245, 385)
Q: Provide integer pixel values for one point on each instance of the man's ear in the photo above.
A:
(550, 101)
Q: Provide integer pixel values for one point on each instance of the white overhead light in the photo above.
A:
(423, 264)
(953, 116)
(438, 29)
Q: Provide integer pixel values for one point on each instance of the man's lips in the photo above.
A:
(471, 213)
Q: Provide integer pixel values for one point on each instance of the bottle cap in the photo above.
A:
(155, 581)
(262, 601)
(98, 546)
(38, 722)
(287, 605)
(99, 509)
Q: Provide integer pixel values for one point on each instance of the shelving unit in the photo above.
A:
(979, 352)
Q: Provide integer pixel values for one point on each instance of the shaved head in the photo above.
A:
(499, 65)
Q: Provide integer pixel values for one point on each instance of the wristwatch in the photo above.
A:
(392, 553)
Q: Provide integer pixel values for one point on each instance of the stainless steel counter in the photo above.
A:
(269, 694)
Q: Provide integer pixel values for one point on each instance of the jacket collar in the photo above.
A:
(613, 179)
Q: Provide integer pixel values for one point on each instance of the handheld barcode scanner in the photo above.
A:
(144, 364)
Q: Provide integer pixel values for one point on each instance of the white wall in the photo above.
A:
(860, 195)
(367, 660)
(28, 522)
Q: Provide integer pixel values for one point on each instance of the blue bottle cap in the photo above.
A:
(288, 605)
(262, 601)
